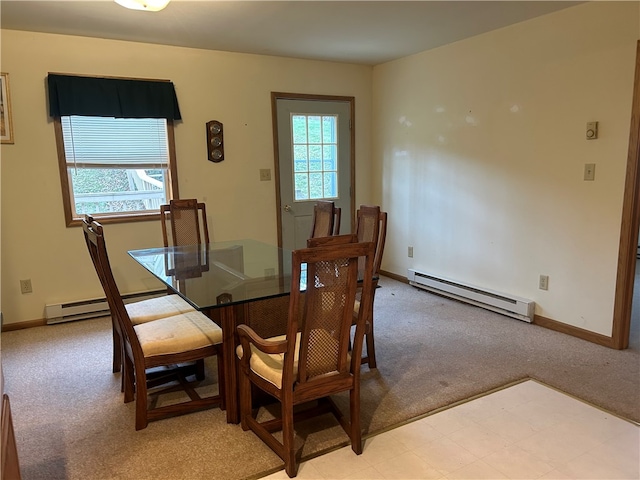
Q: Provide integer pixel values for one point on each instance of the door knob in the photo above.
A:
(287, 208)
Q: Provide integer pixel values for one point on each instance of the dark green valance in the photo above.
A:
(111, 97)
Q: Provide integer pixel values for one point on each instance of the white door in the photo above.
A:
(314, 162)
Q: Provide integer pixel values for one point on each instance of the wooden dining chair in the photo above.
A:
(184, 222)
(187, 219)
(371, 226)
(174, 343)
(139, 312)
(311, 361)
(326, 219)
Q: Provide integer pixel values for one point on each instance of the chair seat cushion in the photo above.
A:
(270, 366)
(179, 333)
(157, 307)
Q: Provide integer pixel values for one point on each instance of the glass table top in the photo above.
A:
(220, 273)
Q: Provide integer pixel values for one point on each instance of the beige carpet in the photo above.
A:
(71, 423)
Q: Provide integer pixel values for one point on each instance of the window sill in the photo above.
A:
(122, 218)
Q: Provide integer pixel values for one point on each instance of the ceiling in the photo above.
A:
(362, 32)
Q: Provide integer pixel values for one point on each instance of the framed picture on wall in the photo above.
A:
(6, 126)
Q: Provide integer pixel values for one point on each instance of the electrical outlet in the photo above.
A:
(25, 286)
(410, 252)
(544, 282)
(265, 174)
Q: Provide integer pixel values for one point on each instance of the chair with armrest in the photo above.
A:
(326, 219)
(311, 361)
(371, 227)
(155, 352)
(139, 312)
(188, 222)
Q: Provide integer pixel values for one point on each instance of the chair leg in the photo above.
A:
(289, 454)
(200, 370)
(221, 379)
(371, 346)
(128, 380)
(245, 398)
(117, 351)
(141, 399)
(122, 368)
(354, 405)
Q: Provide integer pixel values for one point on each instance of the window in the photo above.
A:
(315, 156)
(116, 150)
(116, 169)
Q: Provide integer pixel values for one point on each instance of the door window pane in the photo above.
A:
(300, 158)
(315, 157)
(315, 186)
(299, 129)
(329, 130)
(302, 186)
(330, 158)
(330, 184)
(314, 129)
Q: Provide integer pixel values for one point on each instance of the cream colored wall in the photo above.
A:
(479, 150)
(232, 88)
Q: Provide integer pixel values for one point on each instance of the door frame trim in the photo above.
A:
(275, 96)
(629, 228)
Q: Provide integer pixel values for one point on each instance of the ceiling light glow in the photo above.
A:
(148, 5)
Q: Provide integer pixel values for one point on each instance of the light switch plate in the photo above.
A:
(589, 171)
(592, 130)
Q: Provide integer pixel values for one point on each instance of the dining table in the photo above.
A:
(232, 282)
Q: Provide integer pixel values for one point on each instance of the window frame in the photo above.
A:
(71, 221)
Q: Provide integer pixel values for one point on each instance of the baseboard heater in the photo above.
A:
(515, 307)
(96, 307)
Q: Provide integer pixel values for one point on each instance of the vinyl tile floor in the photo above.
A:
(525, 431)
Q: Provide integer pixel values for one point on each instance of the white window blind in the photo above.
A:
(104, 142)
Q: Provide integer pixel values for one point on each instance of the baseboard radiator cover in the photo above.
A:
(91, 308)
(509, 305)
